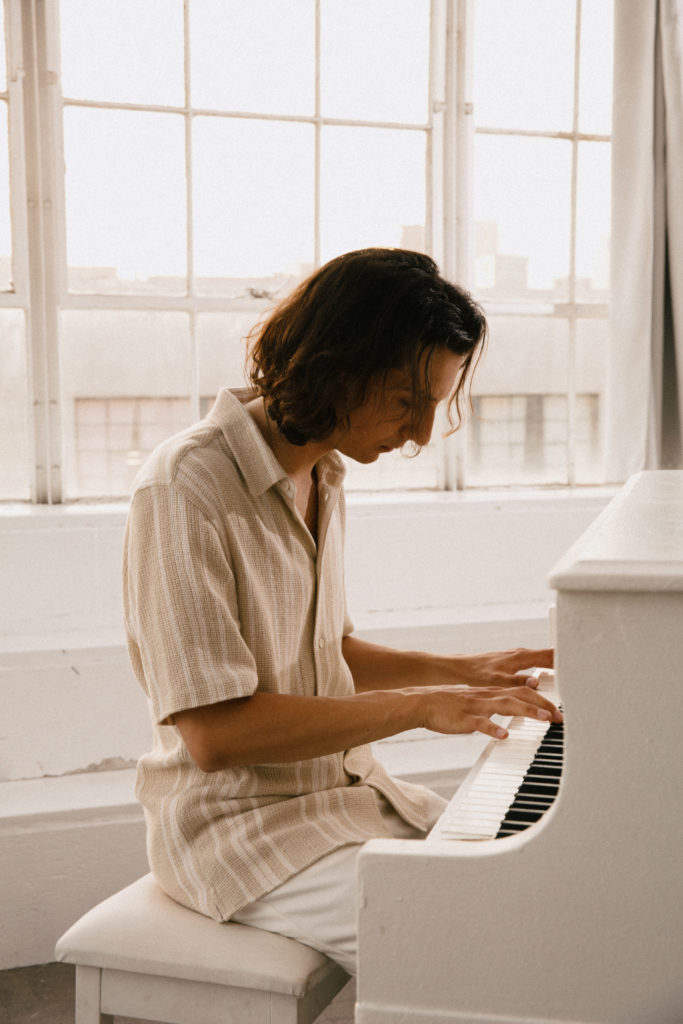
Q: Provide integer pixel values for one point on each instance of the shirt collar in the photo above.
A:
(254, 457)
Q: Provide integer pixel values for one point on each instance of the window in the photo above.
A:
(542, 110)
(175, 168)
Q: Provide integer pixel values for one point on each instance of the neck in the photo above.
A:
(296, 460)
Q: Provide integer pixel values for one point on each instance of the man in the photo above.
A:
(261, 785)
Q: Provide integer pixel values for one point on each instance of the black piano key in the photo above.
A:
(545, 771)
(553, 749)
(529, 803)
(510, 828)
(539, 789)
(516, 814)
(540, 786)
(554, 730)
(546, 767)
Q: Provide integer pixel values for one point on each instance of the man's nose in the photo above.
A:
(421, 432)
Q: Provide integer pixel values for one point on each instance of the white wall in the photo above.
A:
(419, 558)
(445, 572)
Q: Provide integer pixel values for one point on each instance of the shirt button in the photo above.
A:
(326, 494)
(321, 641)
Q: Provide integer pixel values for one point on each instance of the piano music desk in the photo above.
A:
(578, 919)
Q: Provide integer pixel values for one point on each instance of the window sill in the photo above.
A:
(361, 502)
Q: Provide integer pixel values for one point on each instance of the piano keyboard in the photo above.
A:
(514, 781)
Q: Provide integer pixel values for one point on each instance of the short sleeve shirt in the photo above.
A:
(227, 593)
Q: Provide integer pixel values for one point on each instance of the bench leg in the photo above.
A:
(88, 986)
(287, 1010)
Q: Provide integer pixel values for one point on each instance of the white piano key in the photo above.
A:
(482, 801)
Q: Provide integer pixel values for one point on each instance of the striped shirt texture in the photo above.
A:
(225, 593)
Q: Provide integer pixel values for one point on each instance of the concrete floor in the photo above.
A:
(45, 995)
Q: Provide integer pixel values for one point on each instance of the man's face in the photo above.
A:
(386, 419)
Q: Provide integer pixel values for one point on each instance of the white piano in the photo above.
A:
(578, 917)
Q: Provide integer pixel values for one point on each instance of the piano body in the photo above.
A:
(579, 918)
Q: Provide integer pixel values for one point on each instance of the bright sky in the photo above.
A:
(253, 199)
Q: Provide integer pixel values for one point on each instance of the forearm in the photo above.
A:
(375, 667)
(270, 728)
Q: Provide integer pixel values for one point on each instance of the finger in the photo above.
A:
(518, 679)
(544, 658)
(507, 679)
(483, 724)
(527, 657)
(546, 710)
(526, 702)
(534, 696)
(539, 675)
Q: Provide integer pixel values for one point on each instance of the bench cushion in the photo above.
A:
(143, 930)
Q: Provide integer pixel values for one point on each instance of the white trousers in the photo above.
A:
(318, 906)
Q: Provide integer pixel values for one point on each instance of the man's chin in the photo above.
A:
(364, 458)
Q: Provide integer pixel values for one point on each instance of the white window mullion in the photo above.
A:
(41, 94)
(54, 111)
(434, 228)
(571, 360)
(317, 142)
(461, 63)
(458, 174)
(189, 219)
(195, 386)
(17, 155)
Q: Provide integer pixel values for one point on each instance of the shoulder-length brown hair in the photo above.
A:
(347, 325)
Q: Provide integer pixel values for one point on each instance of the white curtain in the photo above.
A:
(644, 400)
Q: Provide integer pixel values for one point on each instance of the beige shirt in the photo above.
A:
(225, 592)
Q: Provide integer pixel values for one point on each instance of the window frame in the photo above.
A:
(39, 222)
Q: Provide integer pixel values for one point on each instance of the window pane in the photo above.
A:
(595, 102)
(124, 52)
(125, 201)
(372, 189)
(591, 381)
(222, 351)
(253, 199)
(6, 275)
(518, 439)
(126, 380)
(518, 433)
(522, 210)
(14, 408)
(375, 59)
(253, 55)
(113, 436)
(524, 64)
(593, 224)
